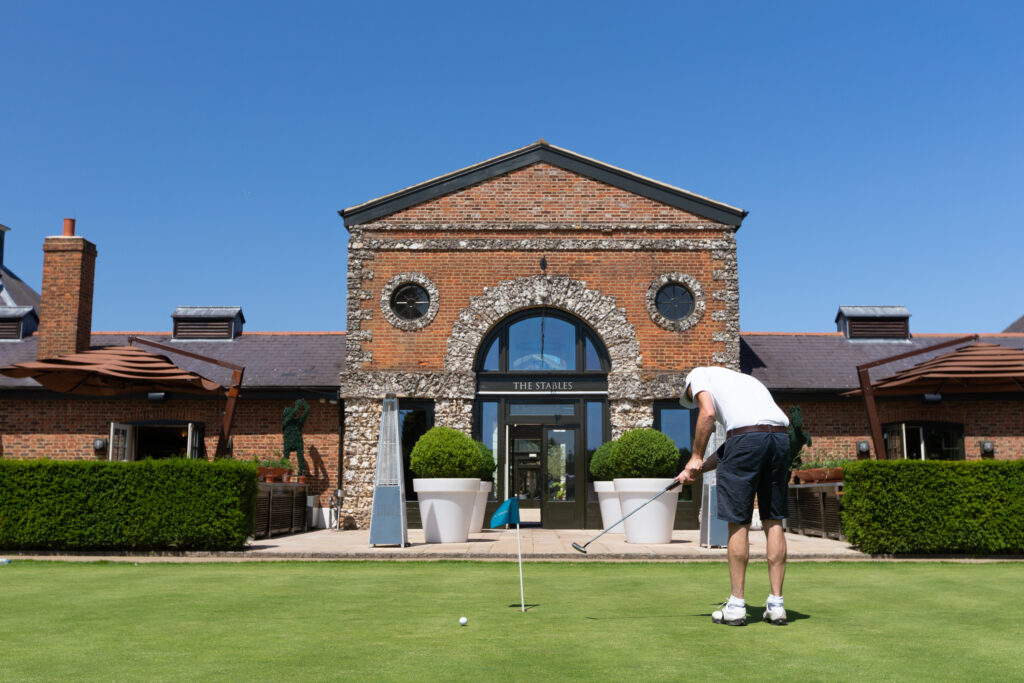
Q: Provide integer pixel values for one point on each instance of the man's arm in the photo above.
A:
(705, 428)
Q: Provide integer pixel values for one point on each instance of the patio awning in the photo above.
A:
(977, 368)
(112, 371)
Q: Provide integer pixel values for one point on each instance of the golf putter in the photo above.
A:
(583, 548)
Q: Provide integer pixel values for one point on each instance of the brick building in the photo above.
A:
(541, 301)
(279, 369)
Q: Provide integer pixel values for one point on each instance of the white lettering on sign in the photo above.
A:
(542, 386)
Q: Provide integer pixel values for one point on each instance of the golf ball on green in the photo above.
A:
(463, 621)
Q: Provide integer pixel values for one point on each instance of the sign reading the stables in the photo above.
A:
(546, 385)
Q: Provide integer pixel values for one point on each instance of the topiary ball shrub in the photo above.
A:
(643, 453)
(486, 472)
(445, 452)
(599, 461)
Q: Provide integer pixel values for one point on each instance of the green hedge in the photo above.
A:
(149, 505)
(934, 506)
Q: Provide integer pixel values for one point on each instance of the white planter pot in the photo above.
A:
(608, 499)
(476, 525)
(446, 508)
(654, 523)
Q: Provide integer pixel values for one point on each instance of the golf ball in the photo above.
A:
(463, 620)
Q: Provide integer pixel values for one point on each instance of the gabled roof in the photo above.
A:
(1017, 326)
(827, 362)
(543, 152)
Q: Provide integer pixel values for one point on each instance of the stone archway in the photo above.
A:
(572, 296)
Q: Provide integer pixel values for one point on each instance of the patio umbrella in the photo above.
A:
(977, 368)
(110, 371)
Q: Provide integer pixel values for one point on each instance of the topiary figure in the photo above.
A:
(599, 461)
(291, 425)
(798, 438)
(487, 470)
(643, 453)
(445, 452)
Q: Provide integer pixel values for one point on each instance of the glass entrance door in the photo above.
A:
(561, 506)
(525, 460)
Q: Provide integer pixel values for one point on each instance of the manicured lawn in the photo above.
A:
(399, 621)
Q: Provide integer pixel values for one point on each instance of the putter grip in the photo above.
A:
(673, 485)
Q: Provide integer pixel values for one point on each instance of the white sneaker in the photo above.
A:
(775, 615)
(731, 615)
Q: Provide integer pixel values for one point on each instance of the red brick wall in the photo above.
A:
(459, 276)
(542, 194)
(539, 194)
(836, 426)
(65, 429)
(65, 311)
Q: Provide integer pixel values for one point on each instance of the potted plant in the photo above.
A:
(819, 470)
(642, 464)
(272, 469)
(604, 487)
(486, 475)
(447, 464)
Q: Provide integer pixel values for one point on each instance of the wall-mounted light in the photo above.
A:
(863, 449)
(99, 444)
(988, 449)
(933, 398)
(156, 397)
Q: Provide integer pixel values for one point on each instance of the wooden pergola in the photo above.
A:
(976, 368)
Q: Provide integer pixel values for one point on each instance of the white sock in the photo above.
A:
(737, 602)
(774, 600)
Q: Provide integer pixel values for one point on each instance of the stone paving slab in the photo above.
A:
(490, 544)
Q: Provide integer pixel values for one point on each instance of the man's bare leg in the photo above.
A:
(775, 539)
(739, 552)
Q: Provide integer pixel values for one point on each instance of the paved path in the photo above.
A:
(497, 544)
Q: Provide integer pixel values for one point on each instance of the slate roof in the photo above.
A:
(873, 312)
(272, 360)
(14, 291)
(827, 362)
(1017, 326)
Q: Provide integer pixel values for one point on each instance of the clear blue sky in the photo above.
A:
(206, 147)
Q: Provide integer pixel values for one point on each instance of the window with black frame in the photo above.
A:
(677, 422)
(414, 419)
(542, 341)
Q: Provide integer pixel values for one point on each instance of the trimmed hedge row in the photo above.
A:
(149, 505)
(934, 506)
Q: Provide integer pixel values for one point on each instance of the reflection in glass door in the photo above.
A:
(526, 465)
(559, 502)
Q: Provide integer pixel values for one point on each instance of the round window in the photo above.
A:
(674, 301)
(410, 301)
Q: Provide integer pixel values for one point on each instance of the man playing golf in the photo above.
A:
(754, 460)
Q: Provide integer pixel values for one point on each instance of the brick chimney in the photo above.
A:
(65, 311)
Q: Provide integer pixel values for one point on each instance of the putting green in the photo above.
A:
(592, 621)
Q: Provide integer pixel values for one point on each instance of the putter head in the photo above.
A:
(577, 546)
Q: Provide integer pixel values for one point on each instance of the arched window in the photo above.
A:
(542, 340)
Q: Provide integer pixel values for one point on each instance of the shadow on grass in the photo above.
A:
(754, 614)
(528, 606)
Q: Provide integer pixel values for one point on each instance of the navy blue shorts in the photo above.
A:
(749, 464)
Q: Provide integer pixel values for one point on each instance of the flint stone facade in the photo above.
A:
(474, 240)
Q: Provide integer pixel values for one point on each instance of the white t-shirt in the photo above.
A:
(740, 400)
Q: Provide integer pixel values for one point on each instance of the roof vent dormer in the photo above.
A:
(207, 322)
(17, 322)
(874, 322)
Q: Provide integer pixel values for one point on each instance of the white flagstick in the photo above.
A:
(519, 544)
